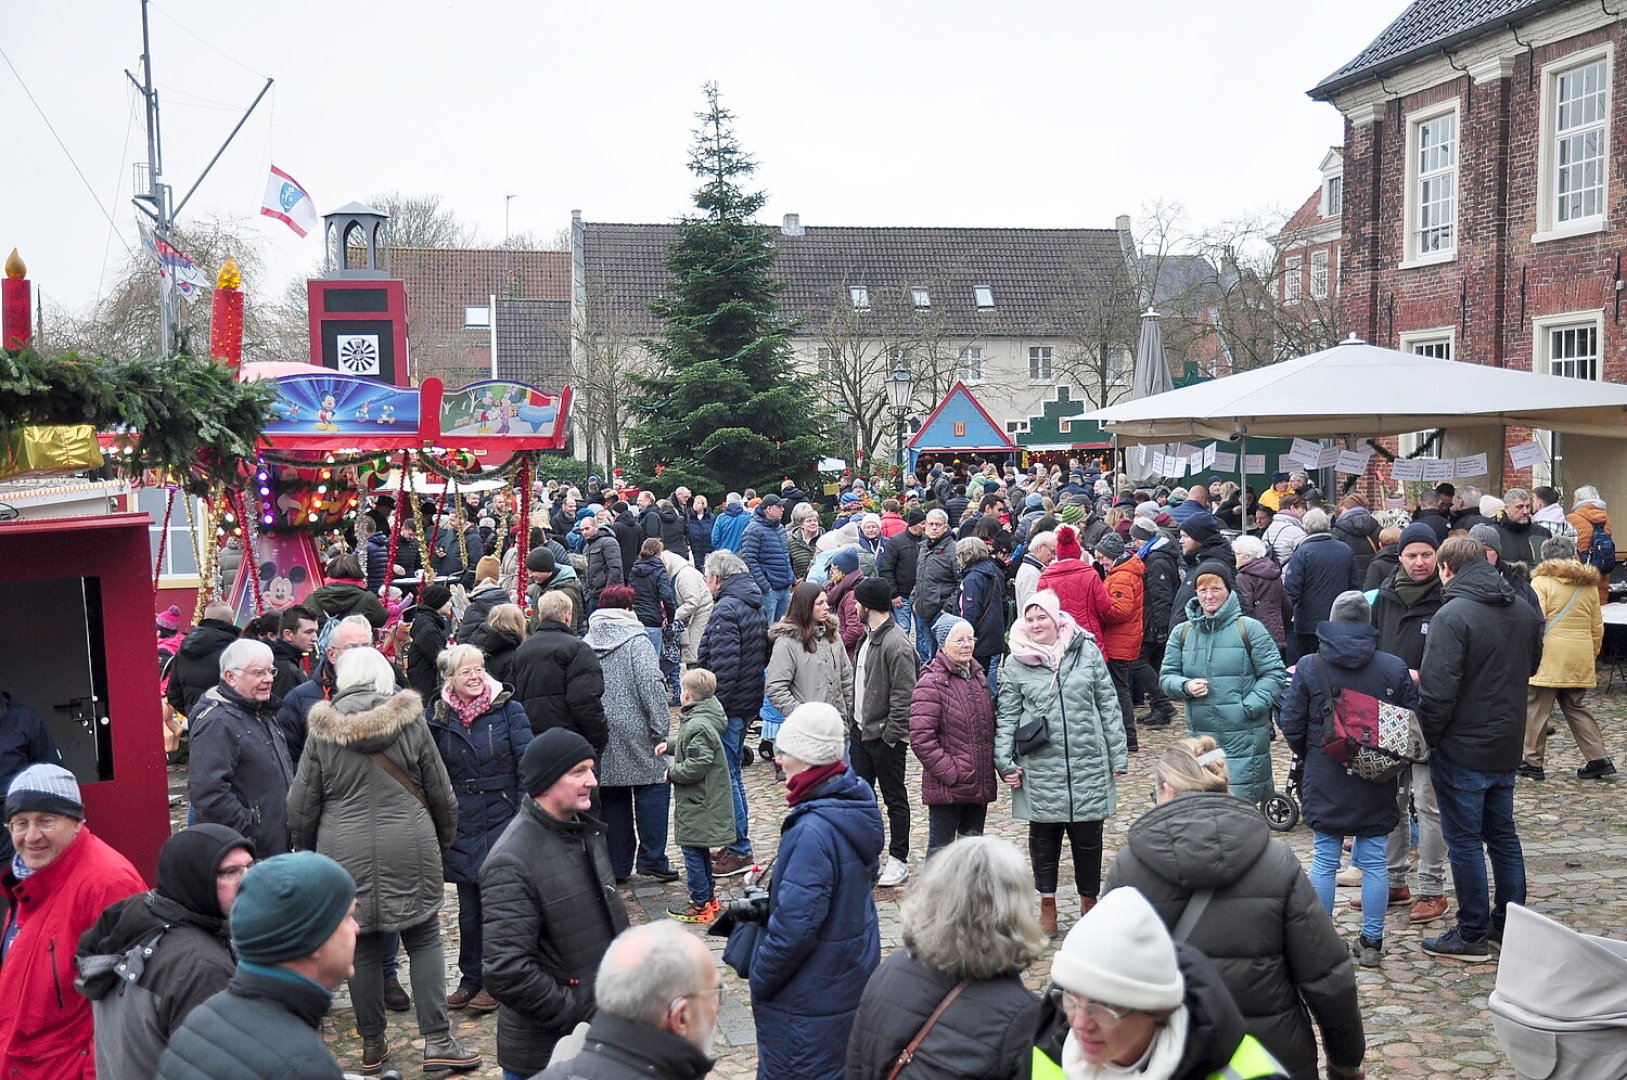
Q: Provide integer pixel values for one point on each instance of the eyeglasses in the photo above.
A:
(44, 823)
(715, 994)
(260, 672)
(1102, 1015)
(233, 873)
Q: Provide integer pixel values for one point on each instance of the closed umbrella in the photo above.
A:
(1152, 377)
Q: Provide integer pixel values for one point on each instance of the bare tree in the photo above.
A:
(605, 355)
(1099, 325)
(422, 221)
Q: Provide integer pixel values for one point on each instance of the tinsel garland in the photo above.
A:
(401, 503)
(452, 472)
(163, 539)
(331, 461)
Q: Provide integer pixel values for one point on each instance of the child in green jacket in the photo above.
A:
(703, 811)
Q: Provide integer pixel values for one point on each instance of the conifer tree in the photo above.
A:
(724, 408)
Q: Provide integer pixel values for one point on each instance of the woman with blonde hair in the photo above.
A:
(968, 929)
(1206, 859)
(498, 637)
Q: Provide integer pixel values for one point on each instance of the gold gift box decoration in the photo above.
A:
(44, 451)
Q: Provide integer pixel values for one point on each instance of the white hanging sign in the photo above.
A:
(1473, 465)
(1407, 469)
(1353, 462)
(1526, 455)
(1224, 462)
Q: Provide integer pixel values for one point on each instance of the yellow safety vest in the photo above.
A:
(1250, 1061)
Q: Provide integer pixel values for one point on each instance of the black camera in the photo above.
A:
(750, 906)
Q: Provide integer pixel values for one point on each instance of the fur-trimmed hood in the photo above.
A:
(364, 720)
(1568, 572)
(786, 629)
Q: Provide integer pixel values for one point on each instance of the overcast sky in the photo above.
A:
(959, 112)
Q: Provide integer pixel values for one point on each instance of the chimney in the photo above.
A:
(791, 225)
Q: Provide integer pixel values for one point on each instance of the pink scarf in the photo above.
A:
(468, 711)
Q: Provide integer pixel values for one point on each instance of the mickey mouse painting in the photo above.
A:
(278, 587)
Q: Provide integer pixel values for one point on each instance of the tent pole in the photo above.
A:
(1245, 512)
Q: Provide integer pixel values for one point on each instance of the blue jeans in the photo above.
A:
(1477, 810)
(698, 874)
(991, 670)
(904, 614)
(926, 646)
(1372, 855)
(776, 602)
(641, 813)
(734, 741)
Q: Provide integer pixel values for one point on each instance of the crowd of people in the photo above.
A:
(351, 756)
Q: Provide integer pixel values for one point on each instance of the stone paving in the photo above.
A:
(1424, 1017)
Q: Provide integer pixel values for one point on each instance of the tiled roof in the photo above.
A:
(534, 342)
(1426, 26)
(1309, 214)
(1035, 275)
(441, 282)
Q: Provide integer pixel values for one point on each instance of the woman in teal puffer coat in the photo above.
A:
(1059, 741)
(1227, 670)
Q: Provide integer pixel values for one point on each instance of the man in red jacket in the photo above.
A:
(58, 883)
(1121, 621)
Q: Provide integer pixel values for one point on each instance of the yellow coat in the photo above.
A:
(1571, 644)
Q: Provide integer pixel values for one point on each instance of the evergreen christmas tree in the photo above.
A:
(724, 408)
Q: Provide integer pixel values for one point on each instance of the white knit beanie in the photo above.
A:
(812, 734)
(1119, 953)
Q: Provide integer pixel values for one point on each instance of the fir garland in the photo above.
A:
(186, 416)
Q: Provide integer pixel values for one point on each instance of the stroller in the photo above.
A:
(1560, 1005)
(1281, 807)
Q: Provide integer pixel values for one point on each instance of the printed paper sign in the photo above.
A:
(1254, 463)
(1141, 455)
(1328, 458)
(1473, 465)
(1395, 504)
(1437, 469)
(1224, 462)
(1209, 455)
(1158, 465)
(1407, 469)
(1526, 455)
(1288, 463)
(1352, 461)
(1306, 451)
(1196, 459)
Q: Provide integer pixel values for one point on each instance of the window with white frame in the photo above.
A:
(1432, 182)
(477, 317)
(984, 295)
(1568, 345)
(971, 364)
(860, 295)
(1573, 179)
(1039, 363)
(1333, 197)
(1436, 343)
(180, 560)
(1319, 274)
(921, 298)
(897, 355)
(1291, 268)
(827, 364)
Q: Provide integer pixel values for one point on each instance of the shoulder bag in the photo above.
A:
(908, 1052)
(401, 778)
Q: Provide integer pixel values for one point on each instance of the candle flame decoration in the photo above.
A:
(230, 277)
(226, 315)
(16, 307)
(15, 267)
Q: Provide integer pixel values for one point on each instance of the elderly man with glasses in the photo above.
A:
(241, 768)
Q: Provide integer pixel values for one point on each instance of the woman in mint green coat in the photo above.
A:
(1227, 670)
(1059, 741)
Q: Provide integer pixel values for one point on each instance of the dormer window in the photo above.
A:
(984, 296)
(921, 297)
(861, 297)
(1333, 197)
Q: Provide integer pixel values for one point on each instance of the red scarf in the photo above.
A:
(802, 785)
(467, 712)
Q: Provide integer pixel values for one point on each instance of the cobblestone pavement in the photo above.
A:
(1424, 1017)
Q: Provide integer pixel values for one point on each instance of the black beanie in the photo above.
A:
(435, 596)
(540, 561)
(551, 755)
(1220, 570)
(189, 861)
(874, 594)
(1202, 527)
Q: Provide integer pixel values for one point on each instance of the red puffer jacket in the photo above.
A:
(1079, 587)
(45, 1028)
(1122, 627)
(952, 733)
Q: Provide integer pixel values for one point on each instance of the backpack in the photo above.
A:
(1372, 739)
(1601, 551)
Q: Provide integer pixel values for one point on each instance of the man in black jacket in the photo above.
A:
(240, 770)
(735, 649)
(629, 537)
(557, 677)
(549, 904)
(658, 995)
(1483, 647)
(896, 567)
(197, 664)
(296, 638)
(1161, 583)
(937, 578)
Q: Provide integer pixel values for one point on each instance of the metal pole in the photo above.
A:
(899, 417)
(241, 121)
(1245, 514)
(157, 191)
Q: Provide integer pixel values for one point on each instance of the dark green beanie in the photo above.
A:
(288, 906)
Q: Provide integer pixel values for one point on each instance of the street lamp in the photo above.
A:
(900, 389)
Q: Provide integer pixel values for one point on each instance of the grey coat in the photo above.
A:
(635, 699)
(891, 668)
(796, 675)
(346, 806)
(694, 605)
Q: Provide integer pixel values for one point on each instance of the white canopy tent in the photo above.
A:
(1359, 389)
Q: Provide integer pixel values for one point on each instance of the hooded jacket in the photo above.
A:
(1245, 672)
(635, 699)
(1571, 642)
(952, 733)
(197, 664)
(1585, 517)
(1385, 562)
(1078, 585)
(1321, 568)
(803, 551)
(694, 608)
(499, 646)
(1359, 530)
(1483, 647)
(481, 601)
(666, 524)
(735, 647)
(240, 768)
(763, 549)
(482, 762)
(1260, 592)
(154, 957)
(429, 635)
(1275, 948)
(1403, 628)
(559, 682)
(1333, 800)
(937, 577)
(620, 1049)
(46, 1028)
(1070, 778)
(345, 806)
(1217, 549)
(1521, 541)
(564, 580)
(653, 598)
(338, 599)
(897, 563)
(796, 675)
(629, 536)
(983, 604)
(700, 534)
(822, 940)
(290, 666)
(1161, 583)
(849, 622)
(729, 528)
(604, 561)
(1123, 627)
(702, 798)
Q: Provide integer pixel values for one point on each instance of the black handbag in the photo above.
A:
(1033, 735)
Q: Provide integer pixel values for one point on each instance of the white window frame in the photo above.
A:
(1333, 196)
(1411, 254)
(1544, 327)
(1417, 341)
(860, 295)
(921, 298)
(1548, 224)
(826, 363)
(983, 295)
(477, 317)
(1319, 274)
(1293, 278)
(179, 570)
(1041, 366)
(969, 369)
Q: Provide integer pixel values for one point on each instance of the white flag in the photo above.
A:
(288, 202)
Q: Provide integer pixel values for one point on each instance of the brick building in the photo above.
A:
(1308, 247)
(1481, 216)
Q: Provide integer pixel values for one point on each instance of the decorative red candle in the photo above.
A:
(16, 307)
(226, 318)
